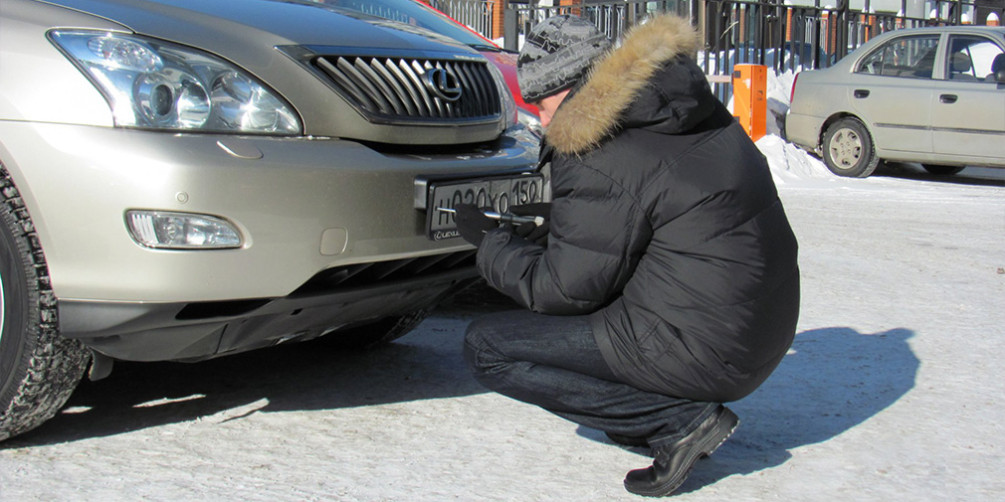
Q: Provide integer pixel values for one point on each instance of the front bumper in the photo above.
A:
(303, 205)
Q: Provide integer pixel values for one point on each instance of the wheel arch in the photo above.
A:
(16, 176)
(831, 120)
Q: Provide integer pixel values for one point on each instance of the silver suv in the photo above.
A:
(184, 179)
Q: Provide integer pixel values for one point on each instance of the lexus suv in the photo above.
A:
(183, 179)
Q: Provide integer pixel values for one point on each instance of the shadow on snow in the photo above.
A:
(304, 376)
(314, 375)
(832, 380)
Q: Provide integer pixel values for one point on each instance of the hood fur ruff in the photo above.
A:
(591, 114)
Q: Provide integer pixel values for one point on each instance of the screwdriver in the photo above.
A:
(503, 217)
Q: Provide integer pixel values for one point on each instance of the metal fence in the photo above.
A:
(611, 18)
(476, 14)
(788, 37)
(769, 32)
(748, 30)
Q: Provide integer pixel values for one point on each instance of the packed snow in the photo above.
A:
(892, 389)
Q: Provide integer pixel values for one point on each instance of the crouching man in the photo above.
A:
(668, 283)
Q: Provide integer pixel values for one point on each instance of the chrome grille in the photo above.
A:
(415, 89)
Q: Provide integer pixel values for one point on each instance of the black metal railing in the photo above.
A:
(475, 14)
(611, 18)
(782, 37)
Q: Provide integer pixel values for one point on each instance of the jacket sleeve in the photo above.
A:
(597, 233)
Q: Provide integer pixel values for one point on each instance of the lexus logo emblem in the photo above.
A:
(443, 84)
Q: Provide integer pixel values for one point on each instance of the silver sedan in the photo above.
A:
(930, 95)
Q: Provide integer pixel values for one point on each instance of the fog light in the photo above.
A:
(167, 230)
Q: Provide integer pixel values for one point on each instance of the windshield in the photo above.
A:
(412, 13)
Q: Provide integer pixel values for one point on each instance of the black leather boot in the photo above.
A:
(673, 462)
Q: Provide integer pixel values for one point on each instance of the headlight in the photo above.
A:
(154, 84)
(170, 230)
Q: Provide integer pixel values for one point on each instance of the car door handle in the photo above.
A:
(948, 98)
(861, 93)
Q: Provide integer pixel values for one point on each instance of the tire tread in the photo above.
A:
(53, 365)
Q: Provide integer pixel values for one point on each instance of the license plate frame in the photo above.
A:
(497, 192)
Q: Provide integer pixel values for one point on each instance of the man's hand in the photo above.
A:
(472, 223)
(534, 233)
(542, 209)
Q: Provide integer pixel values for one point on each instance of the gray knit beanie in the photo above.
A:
(556, 54)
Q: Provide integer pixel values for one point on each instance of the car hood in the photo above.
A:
(224, 26)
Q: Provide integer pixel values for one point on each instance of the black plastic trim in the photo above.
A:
(203, 330)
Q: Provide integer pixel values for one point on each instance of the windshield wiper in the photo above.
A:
(484, 47)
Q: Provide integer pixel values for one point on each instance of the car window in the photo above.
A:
(907, 57)
(972, 59)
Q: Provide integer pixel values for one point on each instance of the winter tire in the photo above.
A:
(942, 170)
(378, 333)
(848, 149)
(38, 368)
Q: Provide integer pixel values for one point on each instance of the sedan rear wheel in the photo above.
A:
(848, 149)
(38, 368)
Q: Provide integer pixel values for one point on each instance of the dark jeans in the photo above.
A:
(554, 362)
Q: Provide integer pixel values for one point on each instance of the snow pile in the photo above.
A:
(779, 88)
(790, 165)
(793, 166)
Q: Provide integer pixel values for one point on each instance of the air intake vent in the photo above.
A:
(415, 90)
(374, 274)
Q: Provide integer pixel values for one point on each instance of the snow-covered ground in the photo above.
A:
(892, 389)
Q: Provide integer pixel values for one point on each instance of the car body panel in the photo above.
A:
(881, 105)
(977, 132)
(930, 120)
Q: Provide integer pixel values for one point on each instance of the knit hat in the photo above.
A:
(556, 54)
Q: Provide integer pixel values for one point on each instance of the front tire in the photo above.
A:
(848, 149)
(375, 334)
(38, 368)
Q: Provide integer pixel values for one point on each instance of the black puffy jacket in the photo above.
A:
(665, 227)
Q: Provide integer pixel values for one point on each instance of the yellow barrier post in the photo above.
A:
(750, 99)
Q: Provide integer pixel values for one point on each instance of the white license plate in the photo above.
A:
(497, 193)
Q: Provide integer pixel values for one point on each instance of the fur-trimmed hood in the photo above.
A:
(617, 93)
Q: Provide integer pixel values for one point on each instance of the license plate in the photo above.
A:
(497, 193)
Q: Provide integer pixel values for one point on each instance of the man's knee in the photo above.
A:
(475, 344)
(481, 354)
